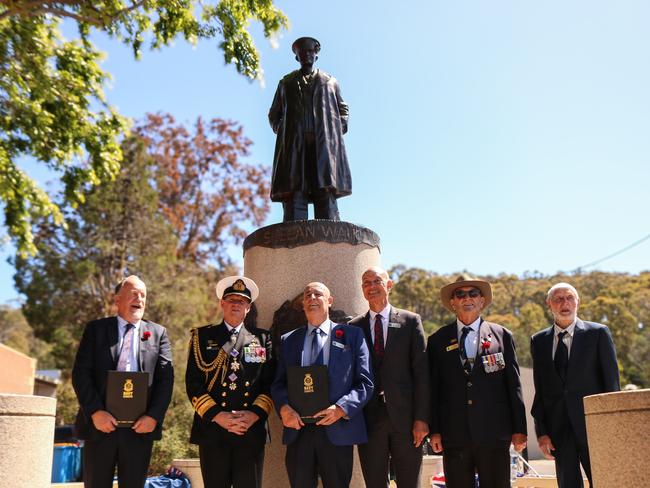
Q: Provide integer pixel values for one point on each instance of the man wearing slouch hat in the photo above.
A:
(477, 403)
(229, 373)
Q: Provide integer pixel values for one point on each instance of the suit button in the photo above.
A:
(247, 384)
(223, 393)
(224, 384)
(246, 404)
(223, 404)
(469, 384)
(246, 393)
(470, 402)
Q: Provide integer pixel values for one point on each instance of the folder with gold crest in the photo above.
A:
(126, 396)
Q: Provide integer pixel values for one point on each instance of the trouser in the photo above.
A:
(123, 448)
(491, 463)
(325, 207)
(384, 444)
(312, 455)
(569, 454)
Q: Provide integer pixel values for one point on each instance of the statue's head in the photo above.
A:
(306, 50)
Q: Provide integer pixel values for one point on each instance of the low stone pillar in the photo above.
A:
(192, 469)
(27, 433)
(618, 429)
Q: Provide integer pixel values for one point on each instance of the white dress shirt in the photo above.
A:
(325, 327)
(471, 341)
(132, 361)
(568, 337)
(385, 317)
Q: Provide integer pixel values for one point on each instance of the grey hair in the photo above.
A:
(562, 286)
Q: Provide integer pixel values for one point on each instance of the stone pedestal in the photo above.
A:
(282, 259)
(192, 469)
(27, 433)
(618, 429)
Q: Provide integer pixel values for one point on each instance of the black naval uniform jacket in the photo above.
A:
(218, 380)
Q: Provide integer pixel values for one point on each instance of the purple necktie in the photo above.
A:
(127, 345)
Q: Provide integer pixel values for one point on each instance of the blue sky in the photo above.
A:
(500, 136)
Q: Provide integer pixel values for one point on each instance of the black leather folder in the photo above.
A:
(126, 396)
(307, 389)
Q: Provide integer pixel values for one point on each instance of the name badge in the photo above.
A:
(394, 325)
(493, 362)
(452, 347)
(338, 344)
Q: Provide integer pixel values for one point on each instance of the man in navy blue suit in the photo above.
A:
(324, 448)
(571, 360)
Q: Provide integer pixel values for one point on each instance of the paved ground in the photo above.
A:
(542, 466)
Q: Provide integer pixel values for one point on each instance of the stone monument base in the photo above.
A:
(282, 259)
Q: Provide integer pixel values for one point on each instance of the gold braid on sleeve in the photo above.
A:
(219, 365)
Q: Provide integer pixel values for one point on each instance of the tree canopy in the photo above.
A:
(618, 300)
(52, 104)
(132, 225)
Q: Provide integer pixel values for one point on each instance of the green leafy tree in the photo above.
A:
(126, 227)
(52, 104)
(619, 300)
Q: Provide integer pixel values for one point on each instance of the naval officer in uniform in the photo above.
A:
(228, 379)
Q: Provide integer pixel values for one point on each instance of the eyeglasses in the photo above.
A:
(473, 293)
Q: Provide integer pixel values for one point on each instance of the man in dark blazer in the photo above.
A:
(228, 379)
(398, 412)
(125, 343)
(477, 403)
(324, 448)
(571, 360)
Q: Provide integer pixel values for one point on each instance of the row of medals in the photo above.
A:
(253, 354)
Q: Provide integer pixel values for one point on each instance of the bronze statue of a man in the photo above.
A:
(310, 117)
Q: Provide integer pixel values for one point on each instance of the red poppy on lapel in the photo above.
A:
(339, 333)
(145, 335)
(485, 343)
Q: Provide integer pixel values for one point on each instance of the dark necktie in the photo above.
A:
(316, 348)
(378, 346)
(127, 345)
(463, 353)
(561, 359)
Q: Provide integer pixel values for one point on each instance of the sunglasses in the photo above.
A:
(471, 293)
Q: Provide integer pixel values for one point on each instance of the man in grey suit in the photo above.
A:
(477, 402)
(398, 411)
(571, 360)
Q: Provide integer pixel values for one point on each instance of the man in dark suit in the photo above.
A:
(228, 379)
(571, 360)
(123, 343)
(398, 412)
(477, 403)
(324, 448)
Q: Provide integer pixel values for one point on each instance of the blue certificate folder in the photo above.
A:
(126, 396)
(308, 391)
